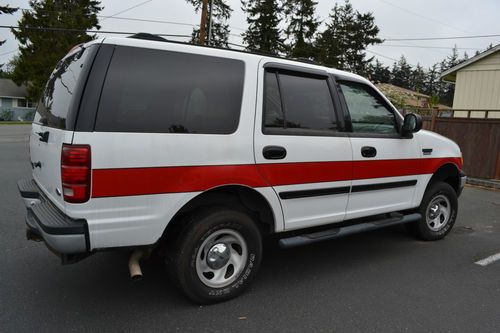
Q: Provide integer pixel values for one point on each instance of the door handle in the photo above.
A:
(44, 136)
(368, 151)
(274, 152)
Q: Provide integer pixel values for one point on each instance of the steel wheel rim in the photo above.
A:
(210, 265)
(438, 213)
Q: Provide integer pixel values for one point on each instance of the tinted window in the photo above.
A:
(369, 112)
(306, 102)
(159, 91)
(273, 117)
(62, 88)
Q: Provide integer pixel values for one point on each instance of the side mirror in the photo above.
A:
(411, 124)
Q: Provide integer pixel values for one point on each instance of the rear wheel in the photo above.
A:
(217, 255)
(439, 211)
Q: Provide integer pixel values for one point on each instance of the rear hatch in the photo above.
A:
(55, 119)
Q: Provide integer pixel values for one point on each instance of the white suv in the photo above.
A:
(198, 153)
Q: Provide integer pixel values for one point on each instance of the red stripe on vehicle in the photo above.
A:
(302, 173)
(140, 181)
(395, 168)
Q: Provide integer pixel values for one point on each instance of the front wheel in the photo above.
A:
(439, 212)
(218, 254)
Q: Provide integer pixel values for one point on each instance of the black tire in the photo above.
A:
(203, 226)
(444, 196)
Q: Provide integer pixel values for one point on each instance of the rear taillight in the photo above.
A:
(75, 173)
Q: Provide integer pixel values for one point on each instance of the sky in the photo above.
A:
(396, 19)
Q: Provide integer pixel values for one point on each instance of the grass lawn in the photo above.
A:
(15, 122)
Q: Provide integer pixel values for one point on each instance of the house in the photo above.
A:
(477, 85)
(13, 102)
(404, 98)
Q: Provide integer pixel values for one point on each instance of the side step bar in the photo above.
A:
(347, 230)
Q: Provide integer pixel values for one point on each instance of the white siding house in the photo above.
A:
(477, 84)
(13, 102)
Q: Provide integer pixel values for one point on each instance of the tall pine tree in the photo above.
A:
(418, 79)
(448, 89)
(302, 26)
(219, 32)
(402, 73)
(342, 45)
(432, 84)
(380, 73)
(263, 33)
(41, 49)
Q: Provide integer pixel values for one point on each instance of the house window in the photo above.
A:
(24, 103)
(21, 103)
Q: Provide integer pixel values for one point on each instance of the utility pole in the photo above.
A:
(203, 22)
(210, 22)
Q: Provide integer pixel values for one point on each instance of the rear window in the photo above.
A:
(170, 92)
(64, 89)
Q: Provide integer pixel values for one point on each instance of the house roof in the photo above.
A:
(391, 87)
(9, 89)
(450, 75)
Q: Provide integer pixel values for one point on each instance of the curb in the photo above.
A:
(493, 184)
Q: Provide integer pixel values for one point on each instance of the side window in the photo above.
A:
(170, 92)
(273, 117)
(369, 112)
(297, 104)
(61, 89)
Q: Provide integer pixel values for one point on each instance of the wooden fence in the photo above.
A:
(478, 138)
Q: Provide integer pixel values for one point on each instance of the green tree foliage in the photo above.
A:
(302, 27)
(41, 49)
(448, 89)
(402, 73)
(380, 73)
(342, 45)
(263, 33)
(219, 34)
(418, 79)
(432, 83)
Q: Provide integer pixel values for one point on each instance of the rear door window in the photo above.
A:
(170, 92)
(298, 104)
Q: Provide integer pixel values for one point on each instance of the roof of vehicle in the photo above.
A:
(146, 41)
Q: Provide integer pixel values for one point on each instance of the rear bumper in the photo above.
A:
(463, 180)
(62, 234)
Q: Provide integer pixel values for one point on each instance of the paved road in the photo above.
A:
(377, 281)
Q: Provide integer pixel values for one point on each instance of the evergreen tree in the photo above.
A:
(302, 26)
(342, 45)
(263, 33)
(40, 50)
(219, 34)
(447, 90)
(380, 73)
(402, 73)
(431, 83)
(418, 79)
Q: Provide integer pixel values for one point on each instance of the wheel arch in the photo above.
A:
(240, 197)
(448, 173)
